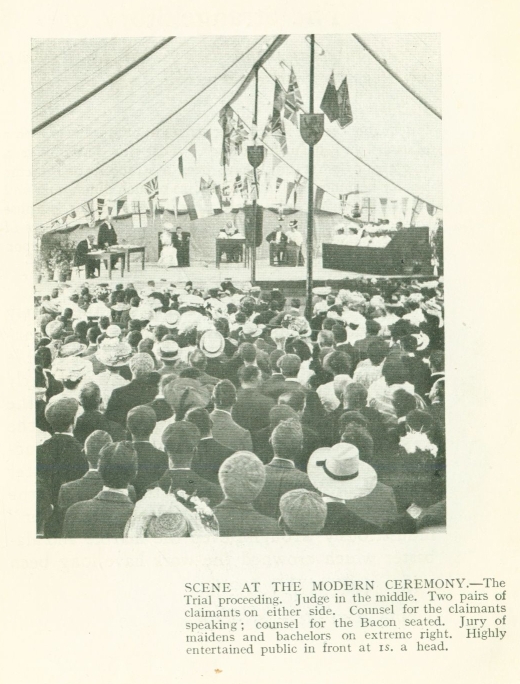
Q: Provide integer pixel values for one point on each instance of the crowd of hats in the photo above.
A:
(160, 325)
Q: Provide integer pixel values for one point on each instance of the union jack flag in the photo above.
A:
(152, 188)
(293, 100)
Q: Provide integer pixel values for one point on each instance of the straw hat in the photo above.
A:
(338, 472)
(251, 329)
(113, 331)
(72, 349)
(71, 368)
(171, 318)
(114, 355)
(121, 306)
(212, 343)
(168, 350)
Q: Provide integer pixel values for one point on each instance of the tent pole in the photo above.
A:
(253, 246)
(310, 205)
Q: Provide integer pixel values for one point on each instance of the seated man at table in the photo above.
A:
(80, 256)
(277, 240)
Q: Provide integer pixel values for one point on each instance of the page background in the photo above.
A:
(83, 611)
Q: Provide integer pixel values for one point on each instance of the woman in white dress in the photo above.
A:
(168, 258)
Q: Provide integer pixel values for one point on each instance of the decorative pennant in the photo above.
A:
(120, 204)
(431, 209)
(290, 188)
(193, 150)
(192, 212)
(100, 206)
(383, 201)
(181, 166)
(345, 117)
(329, 102)
(207, 135)
(293, 100)
(404, 205)
(318, 197)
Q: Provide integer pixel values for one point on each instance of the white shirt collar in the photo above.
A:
(117, 491)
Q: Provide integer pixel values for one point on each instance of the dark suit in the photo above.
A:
(188, 481)
(106, 236)
(277, 249)
(228, 433)
(264, 450)
(252, 409)
(241, 520)
(58, 460)
(161, 408)
(84, 489)
(209, 457)
(151, 465)
(281, 476)
(340, 520)
(417, 373)
(90, 421)
(80, 258)
(137, 393)
(314, 413)
(350, 351)
(104, 516)
(273, 386)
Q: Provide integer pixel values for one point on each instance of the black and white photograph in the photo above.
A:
(238, 286)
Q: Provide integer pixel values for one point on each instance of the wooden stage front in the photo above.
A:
(204, 275)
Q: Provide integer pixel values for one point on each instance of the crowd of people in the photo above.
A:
(178, 412)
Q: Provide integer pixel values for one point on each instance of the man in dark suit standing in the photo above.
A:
(281, 474)
(277, 240)
(80, 256)
(59, 459)
(106, 515)
(181, 242)
(91, 483)
(225, 430)
(210, 453)
(141, 390)
(252, 408)
(151, 462)
(107, 236)
(180, 442)
(92, 419)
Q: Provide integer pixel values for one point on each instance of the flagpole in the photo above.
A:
(310, 206)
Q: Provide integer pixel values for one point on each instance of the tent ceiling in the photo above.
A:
(104, 145)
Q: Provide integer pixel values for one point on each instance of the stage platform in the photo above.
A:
(204, 275)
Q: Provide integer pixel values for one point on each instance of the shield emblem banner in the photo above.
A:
(312, 127)
(255, 155)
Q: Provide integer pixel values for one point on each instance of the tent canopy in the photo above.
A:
(112, 113)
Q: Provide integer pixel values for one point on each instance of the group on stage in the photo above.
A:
(174, 247)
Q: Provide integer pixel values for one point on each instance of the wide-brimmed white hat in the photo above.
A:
(251, 329)
(338, 472)
(171, 318)
(212, 343)
(113, 331)
(114, 355)
(322, 291)
(168, 349)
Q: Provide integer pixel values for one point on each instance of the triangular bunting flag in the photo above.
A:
(344, 109)
(181, 166)
(100, 206)
(207, 135)
(329, 103)
(290, 188)
(193, 150)
(120, 205)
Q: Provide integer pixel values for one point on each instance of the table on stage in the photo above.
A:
(222, 245)
(133, 249)
(121, 253)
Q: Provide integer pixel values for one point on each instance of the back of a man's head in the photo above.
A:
(92, 334)
(287, 439)
(141, 364)
(394, 371)
(104, 322)
(249, 376)
(361, 439)
(325, 339)
(403, 402)
(372, 327)
(274, 357)
(338, 363)
(290, 365)
(90, 397)
(180, 440)
(224, 395)
(339, 332)
(355, 396)
(294, 399)
(118, 464)
(201, 419)
(409, 343)
(279, 413)
(327, 325)
(140, 422)
(60, 413)
(93, 445)
(377, 351)
(247, 352)
(198, 360)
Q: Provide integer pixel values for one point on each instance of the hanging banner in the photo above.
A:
(293, 100)
(404, 205)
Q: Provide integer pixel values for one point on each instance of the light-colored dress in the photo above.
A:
(168, 252)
